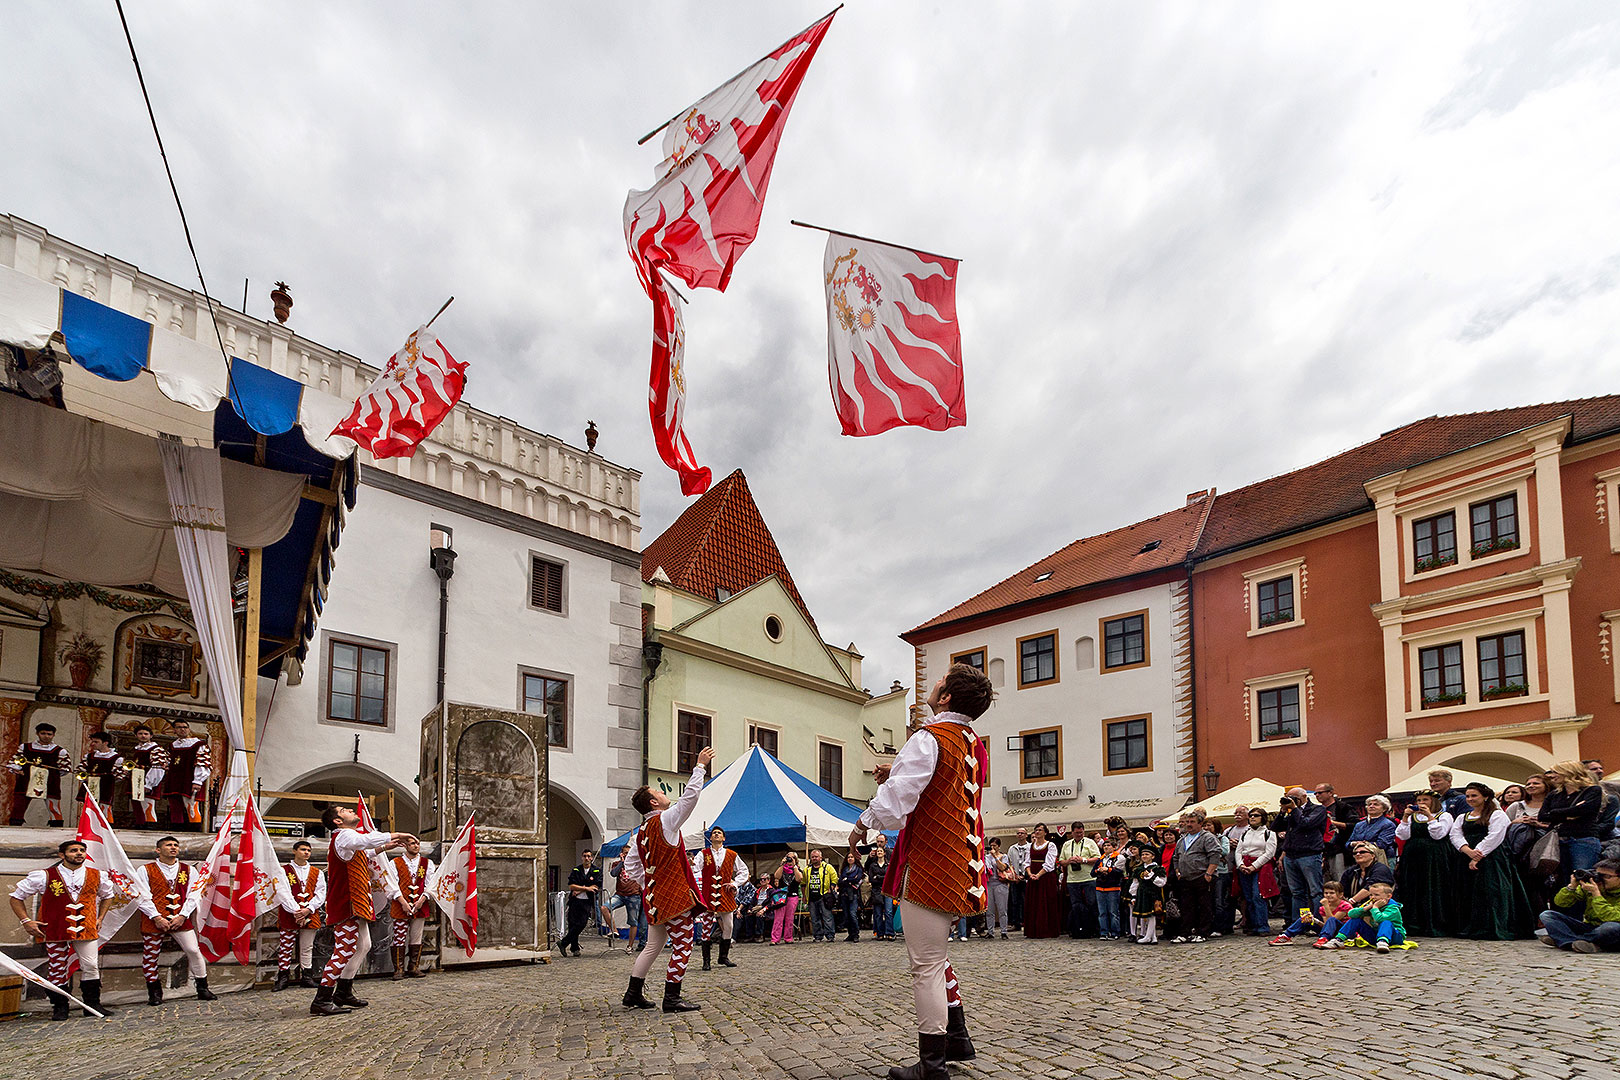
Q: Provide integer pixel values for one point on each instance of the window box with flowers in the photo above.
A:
(1276, 618)
(1491, 547)
(1422, 566)
(1506, 690)
(1440, 701)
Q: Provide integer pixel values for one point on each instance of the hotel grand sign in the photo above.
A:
(1056, 792)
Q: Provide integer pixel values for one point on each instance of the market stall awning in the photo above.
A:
(1252, 792)
(1419, 781)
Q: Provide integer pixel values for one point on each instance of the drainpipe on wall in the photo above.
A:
(442, 558)
(652, 654)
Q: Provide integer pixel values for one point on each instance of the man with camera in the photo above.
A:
(1304, 824)
(1595, 894)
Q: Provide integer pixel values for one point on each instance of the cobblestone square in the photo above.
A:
(1052, 1009)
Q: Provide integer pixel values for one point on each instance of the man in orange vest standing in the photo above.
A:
(409, 909)
(168, 914)
(306, 887)
(72, 899)
(931, 794)
(720, 873)
(656, 858)
(348, 906)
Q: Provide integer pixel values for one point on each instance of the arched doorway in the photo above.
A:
(570, 829)
(344, 780)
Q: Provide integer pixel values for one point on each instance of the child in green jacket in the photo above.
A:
(1377, 921)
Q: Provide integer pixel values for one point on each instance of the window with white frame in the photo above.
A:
(1276, 707)
(1274, 596)
(1434, 542)
(1474, 665)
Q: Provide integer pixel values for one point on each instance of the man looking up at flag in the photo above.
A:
(348, 906)
(72, 899)
(931, 794)
(656, 859)
(168, 913)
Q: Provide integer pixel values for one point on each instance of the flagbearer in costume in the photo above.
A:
(298, 923)
(40, 766)
(938, 875)
(719, 873)
(72, 899)
(169, 913)
(348, 906)
(409, 909)
(186, 779)
(101, 768)
(656, 859)
(146, 764)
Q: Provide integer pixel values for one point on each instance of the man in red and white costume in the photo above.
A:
(409, 909)
(306, 887)
(655, 858)
(40, 766)
(185, 781)
(168, 914)
(719, 873)
(348, 906)
(72, 899)
(101, 767)
(931, 793)
(146, 762)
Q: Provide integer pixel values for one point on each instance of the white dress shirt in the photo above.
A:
(1497, 831)
(739, 876)
(672, 820)
(170, 871)
(910, 774)
(317, 898)
(1439, 827)
(35, 883)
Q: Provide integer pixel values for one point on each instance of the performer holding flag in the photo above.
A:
(931, 793)
(409, 909)
(348, 906)
(72, 899)
(656, 859)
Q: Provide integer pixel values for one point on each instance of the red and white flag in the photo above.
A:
(29, 975)
(382, 868)
(894, 349)
(454, 886)
(702, 214)
(212, 885)
(106, 854)
(418, 387)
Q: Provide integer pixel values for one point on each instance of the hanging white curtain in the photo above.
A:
(197, 503)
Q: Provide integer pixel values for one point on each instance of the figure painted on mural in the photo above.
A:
(147, 762)
(720, 873)
(72, 899)
(101, 768)
(931, 794)
(185, 781)
(410, 909)
(297, 924)
(348, 906)
(39, 767)
(169, 913)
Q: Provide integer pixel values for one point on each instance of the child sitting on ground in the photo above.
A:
(1324, 923)
(1377, 921)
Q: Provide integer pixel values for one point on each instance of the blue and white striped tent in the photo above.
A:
(758, 800)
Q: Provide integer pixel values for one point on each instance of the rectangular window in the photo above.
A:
(1494, 525)
(692, 734)
(1037, 659)
(357, 683)
(767, 739)
(1276, 599)
(1128, 745)
(546, 584)
(1043, 754)
(1125, 641)
(830, 764)
(1501, 666)
(1279, 713)
(1441, 668)
(548, 697)
(972, 658)
(1434, 542)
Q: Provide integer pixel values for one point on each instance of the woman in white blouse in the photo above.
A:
(1496, 905)
(1428, 878)
(1255, 849)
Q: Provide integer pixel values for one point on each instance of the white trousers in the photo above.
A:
(926, 934)
(362, 949)
(187, 940)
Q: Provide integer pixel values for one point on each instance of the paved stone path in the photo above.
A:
(1048, 1009)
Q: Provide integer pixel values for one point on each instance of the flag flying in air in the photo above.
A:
(106, 854)
(383, 874)
(702, 214)
(894, 349)
(418, 387)
(454, 886)
(240, 879)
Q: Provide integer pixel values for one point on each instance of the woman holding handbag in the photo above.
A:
(1255, 850)
(1001, 879)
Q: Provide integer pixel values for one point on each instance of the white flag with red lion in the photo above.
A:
(106, 854)
(418, 387)
(454, 886)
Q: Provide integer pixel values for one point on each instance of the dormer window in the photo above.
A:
(1151, 545)
(1045, 575)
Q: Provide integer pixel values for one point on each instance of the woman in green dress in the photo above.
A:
(1495, 904)
(1428, 878)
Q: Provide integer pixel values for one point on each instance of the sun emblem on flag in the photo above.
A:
(398, 371)
(857, 312)
(694, 130)
(448, 887)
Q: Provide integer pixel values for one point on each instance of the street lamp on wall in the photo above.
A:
(442, 558)
(1212, 780)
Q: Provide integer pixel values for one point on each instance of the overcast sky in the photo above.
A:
(1202, 244)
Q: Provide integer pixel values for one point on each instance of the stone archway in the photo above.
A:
(344, 780)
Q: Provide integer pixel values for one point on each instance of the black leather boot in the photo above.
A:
(958, 1044)
(636, 997)
(708, 954)
(673, 1002)
(90, 991)
(59, 1004)
(154, 992)
(725, 953)
(323, 1004)
(203, 993)
(283, 977)
(305, 978)
(344, 995)
(414, 969)
(930, 1061)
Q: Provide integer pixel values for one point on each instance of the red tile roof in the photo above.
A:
(1333, 489)
(1155, 544)
(720, 542)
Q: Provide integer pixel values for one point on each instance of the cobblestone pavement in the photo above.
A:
(1049, 1009)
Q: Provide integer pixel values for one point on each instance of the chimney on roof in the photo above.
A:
(1198, 496)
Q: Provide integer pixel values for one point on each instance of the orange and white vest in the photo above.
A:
(167, 898)
(939, 858)
(348, 886)
(718, 892)
(670, 890)
(66, 917)
(303, 894)
(411, 887)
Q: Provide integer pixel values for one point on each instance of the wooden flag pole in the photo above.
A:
(871, 240)
(436, 314)
(678, 115)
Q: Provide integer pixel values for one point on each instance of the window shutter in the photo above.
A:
(546, 585)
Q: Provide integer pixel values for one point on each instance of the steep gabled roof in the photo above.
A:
(1155, 544)
(1333, 489)
(720, 542)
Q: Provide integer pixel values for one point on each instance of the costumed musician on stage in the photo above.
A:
(169, 913)
(185, 782)
(348, 906)
(409, 909)
(146, 763)
(296, 925)
(656, 859)
(719, 873)
(931, 793)
(40, 766)
(101, 768)
(72, 899)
